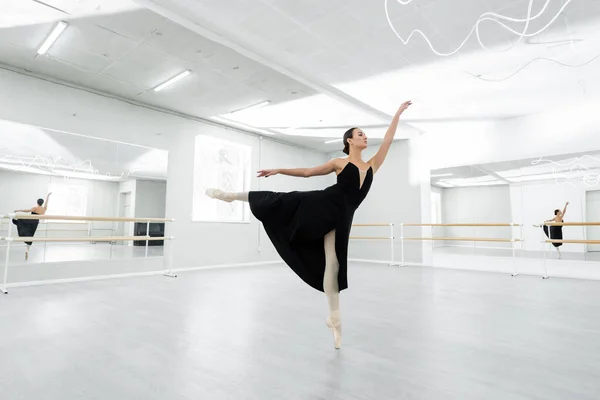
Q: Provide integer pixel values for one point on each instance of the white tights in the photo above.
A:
(332, 267)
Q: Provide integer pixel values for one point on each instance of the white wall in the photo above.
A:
(150, 199)
(21, 191)
(480, 204)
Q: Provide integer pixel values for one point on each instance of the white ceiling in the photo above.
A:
(26, 148)
(324, 65)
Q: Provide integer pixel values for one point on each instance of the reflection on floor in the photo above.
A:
(62, 252)
(499, 252)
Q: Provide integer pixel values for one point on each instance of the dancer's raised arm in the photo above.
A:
(381, 154)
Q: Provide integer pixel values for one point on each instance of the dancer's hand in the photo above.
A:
(405, 105)
(267, 173)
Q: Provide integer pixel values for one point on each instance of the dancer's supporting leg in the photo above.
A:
(227, 196)
(27, 251)
(331, 288)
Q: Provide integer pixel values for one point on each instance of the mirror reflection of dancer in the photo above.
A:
(311, 229)
(556, 231)
(28, 227)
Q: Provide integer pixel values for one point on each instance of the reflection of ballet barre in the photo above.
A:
(9, 238)
(471, 225)
(82, 218)
(85, 239)
(466, 239)
(572, 241)
(570, 224)
(561, 241)
(432, 238)
(390, 238)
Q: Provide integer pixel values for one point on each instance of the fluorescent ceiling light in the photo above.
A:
(172, 80)
(58, 29)
(441, 175)
(333, 141)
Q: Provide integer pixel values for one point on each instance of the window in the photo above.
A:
(224, 165)
(68, 199)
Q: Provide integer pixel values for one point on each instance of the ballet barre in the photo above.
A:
(512, 240)
(9, 239)
(391, 238)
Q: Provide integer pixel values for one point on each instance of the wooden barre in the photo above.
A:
(465, 239)
(371, 237)
(372, 224)
(573, 241)
(503, 224)
(82, 218)
(571, 223)
(85, 239)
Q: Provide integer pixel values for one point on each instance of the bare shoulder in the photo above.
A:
(338, 164)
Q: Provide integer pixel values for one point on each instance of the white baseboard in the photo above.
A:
(234, 265)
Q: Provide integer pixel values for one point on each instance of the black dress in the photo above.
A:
(555, 233)
(297, 222)
(26, 227)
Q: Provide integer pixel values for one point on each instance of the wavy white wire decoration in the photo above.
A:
(488, 16)
(589, 179)
(531, 62)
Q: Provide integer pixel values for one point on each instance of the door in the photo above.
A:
(592, 214)
(124, 211)
(436, 215)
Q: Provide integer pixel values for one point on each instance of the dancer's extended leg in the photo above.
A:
(226, 196)
(331, 288)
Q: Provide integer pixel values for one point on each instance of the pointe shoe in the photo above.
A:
(335, 324)
(218, 194)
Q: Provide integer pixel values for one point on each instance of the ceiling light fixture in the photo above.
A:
(172, 80)
(333, 141)
(440, 175)
(58, 29)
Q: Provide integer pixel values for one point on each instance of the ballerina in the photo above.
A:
(310, 229)
(28, 227)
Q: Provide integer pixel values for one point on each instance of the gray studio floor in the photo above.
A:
(259, 333)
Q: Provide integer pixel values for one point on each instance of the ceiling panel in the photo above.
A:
(146, 67)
